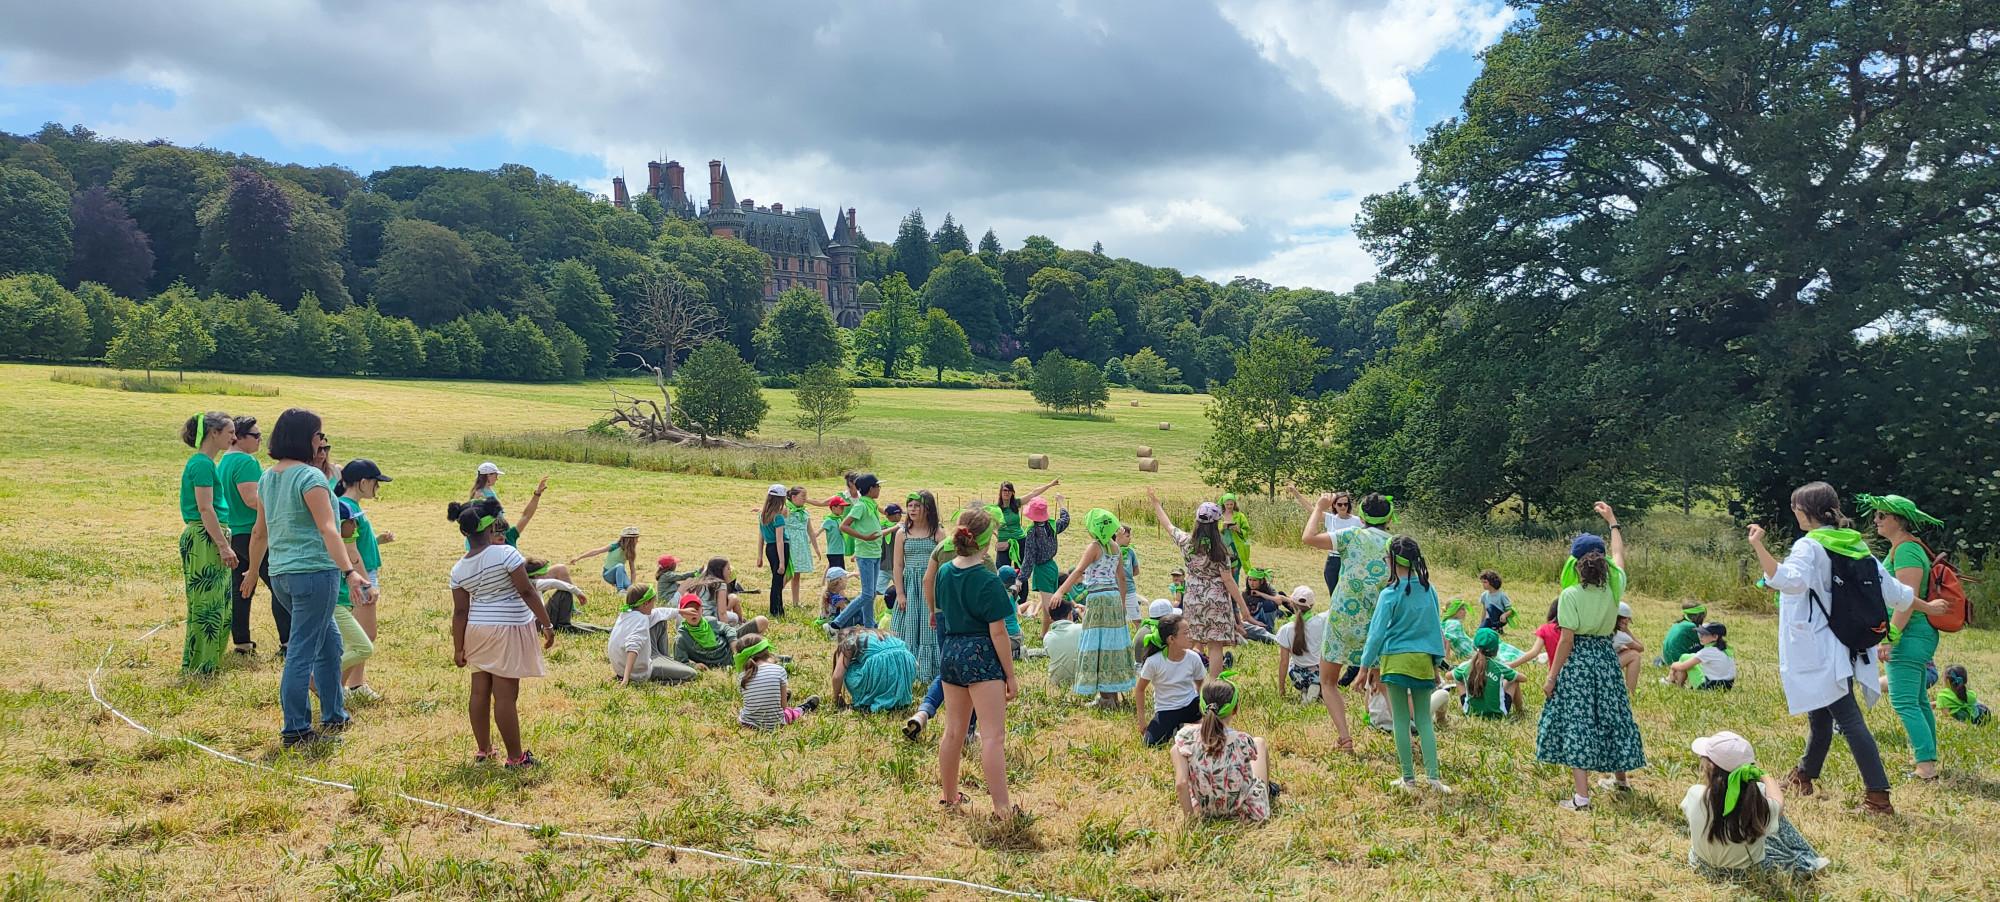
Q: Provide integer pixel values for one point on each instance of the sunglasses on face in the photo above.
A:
(252, 434)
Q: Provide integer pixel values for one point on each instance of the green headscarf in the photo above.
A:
(1457, 606)
(1898, 505)
(1748, 773)
(744, 656)
(1102, 526)
(647, 596)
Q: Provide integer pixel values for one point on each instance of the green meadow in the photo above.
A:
(90, 807)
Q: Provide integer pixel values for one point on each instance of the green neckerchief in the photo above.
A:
(855, 508)
(1953, 703)
(1844, 542)
(1748, 773)
(701, 632)
(796, 510)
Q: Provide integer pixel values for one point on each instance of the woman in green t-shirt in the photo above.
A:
(206, 556)
(976, 663)
(1914, 641)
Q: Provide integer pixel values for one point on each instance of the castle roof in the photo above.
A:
(842, 235)
(795, 233)
(728, 191)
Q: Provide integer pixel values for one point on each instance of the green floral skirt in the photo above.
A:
(1587, 723)
(207, 584)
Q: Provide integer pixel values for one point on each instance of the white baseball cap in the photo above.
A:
(1728, 750)
(833, 573)
(1302, 593)
(1624, 610)
(1162, 608)
(490, 468)
(777, 488)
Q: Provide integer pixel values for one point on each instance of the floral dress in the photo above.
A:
(911, 620)
(1224, 785)
(798, 540)
(1206, 607)
(1364, 571)
(1104, 651)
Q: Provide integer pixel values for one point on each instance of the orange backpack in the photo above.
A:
(1947, 586)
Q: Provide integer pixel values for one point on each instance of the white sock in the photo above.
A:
(1581, 800)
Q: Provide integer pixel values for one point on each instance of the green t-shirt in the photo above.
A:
(199, 472)
(970, 598)
(1680, 640)
(360, 545)
(234, 469)
(1487, 703)
(1588, 610)
(1911, 554)
(864, 516)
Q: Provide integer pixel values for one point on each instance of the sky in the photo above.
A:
(1224, 138)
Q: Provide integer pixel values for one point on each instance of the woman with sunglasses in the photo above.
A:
(237, 472)
(308, 560)
(1338, 515)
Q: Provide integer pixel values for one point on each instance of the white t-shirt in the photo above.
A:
(633, 632)
(1064, 644)
(1722, 854)
(1716, 664)
(1315, 635)
(1174, 682)
(487, 577)
(1622, 640)
(1335, 524)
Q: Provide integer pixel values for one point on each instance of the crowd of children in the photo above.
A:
(956, 589)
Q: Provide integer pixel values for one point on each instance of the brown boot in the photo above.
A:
(1877, 802)
(1797, 782)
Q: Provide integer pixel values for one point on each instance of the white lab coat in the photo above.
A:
(1813, 665)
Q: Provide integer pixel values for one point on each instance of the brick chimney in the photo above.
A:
(715, 183)
(618, 196)
(653, 177)
(749, 205)
(777, 208)
(676, 180)
(852, 229)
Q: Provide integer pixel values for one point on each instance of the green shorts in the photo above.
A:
(1047, 577)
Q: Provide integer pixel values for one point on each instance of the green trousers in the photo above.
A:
(1908, 661)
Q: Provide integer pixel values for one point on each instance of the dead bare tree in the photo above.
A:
(653, 421)
(671, 318)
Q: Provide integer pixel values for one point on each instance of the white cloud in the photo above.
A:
(1221, 140)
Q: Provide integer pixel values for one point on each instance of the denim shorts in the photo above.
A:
(966, 660)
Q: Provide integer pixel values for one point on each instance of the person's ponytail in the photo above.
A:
(1299, 629)
(1475, 674)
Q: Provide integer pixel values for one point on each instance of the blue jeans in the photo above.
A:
(861, 611)
(313, 655)
(934, 699)
(619, 578)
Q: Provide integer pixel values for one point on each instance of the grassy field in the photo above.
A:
(91, 807)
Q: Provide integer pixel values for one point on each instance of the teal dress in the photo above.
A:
(911, 621)
(798, 541)
(879, 677)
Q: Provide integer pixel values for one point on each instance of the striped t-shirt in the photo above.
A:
(487, 577)
(764, 698)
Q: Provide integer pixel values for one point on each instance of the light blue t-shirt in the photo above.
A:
(294, 542)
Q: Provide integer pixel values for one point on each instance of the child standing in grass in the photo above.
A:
(773, 547)
(1235, 535)
(1587, 720)
(765, 687)
(620, 557)
(1102, 669)
(836, 541)
(1495, 607)
(1735, 815)
(800, 540)
(1405, 648)
(495, 618)
(1176, 674)
(1219, 771)
(360, 479)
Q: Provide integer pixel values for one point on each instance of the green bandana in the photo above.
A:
(541, 571)
(794, 509)
(200, 430)
(701, 632)
(1226, 498)
(1102, 526)
(1486, 640)
(1697, 609)
(1257, 573)
(744, 656)
(1402, 561)
(1843, 542)
(648, 596)
(485, 523)
(1456, 607)
(1748, 773)
(1378, 521)
(1229, 707)
(1898, 505)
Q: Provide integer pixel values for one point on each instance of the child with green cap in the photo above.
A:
(1680, 639)
(1487, 687)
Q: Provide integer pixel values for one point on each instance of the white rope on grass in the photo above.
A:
(91, 683)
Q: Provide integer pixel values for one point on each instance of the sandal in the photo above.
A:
(1345, 745)
(483, 757)
(954, 806)
(526, 760)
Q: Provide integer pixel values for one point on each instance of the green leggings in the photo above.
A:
(1907, 693)
(1404, 704)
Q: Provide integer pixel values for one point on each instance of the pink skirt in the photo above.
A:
(504, 651)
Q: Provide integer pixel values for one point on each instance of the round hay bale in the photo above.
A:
(1145, 451)
(1135, 403)
(1166, 426)
(1038, 461)
(1149, 465)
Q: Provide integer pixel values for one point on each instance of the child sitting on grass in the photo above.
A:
(1219, 771)
(835, 598)
(765, 686)
(1708, 667)
(1630, 652)
(703, 641)
(1487, 687)
(1736, 815)
(1176, 674)
(1956, 699)
(638, 648)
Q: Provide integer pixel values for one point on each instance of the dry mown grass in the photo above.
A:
(90, 807)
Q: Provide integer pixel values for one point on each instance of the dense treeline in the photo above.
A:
(453, 252)
(1669, 250)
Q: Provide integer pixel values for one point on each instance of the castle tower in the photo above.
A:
(843, 282)
(724, 217)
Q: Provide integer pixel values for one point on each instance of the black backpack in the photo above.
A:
(1858, 616)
